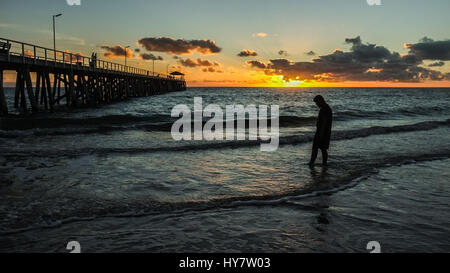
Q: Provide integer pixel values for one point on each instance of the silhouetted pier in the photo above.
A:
(86, 81)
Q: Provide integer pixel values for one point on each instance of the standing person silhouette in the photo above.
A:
(323, 131)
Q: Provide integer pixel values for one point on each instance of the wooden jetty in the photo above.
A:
(64, 78)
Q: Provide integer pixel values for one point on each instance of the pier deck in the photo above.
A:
(65, 78)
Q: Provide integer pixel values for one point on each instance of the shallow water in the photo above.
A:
(113, 178)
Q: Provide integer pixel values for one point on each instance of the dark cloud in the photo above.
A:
(354, 41)
(188, 63)
(256, 64)
(282, 53)
(364, 62)
(428, 49)
(116, 52)
(437, 64)
(179, 46)
(426, 40)
(150, 57)
(412, 59)
(367, 52)
(212, 70)
(247, 53)
(311, 53)
(199, 63)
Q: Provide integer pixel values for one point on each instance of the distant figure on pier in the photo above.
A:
(323, 131)
(93, 63)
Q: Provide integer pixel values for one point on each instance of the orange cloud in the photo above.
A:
(118, 51)
(28, 53)
(76, 57)
(260, 35)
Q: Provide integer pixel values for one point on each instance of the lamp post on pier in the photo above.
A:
(54, 34)
(126, 56)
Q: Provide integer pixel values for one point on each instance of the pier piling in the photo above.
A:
(3, 104)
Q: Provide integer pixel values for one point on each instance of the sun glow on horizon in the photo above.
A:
(280, 81)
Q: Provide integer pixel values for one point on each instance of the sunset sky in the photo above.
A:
(251, 42)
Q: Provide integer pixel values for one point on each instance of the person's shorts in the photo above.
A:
(321, 144)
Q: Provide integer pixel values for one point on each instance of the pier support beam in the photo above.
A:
(29, 85)
(71, 100)
(3, 104)
(20, 91)
(49, 90)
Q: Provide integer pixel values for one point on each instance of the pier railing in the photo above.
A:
(31, 53)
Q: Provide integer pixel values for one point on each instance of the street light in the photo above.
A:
(54, 35)
(126, 56)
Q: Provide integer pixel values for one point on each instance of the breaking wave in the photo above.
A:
(89, 125)
(205, 145)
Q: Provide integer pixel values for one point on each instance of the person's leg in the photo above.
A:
(313, 156)
(324, 157)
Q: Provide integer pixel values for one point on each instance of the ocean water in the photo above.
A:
(113, 179)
